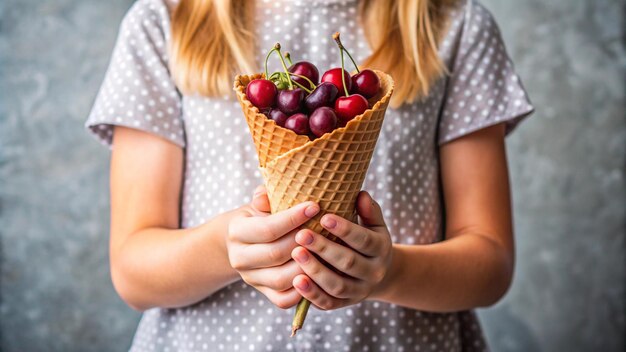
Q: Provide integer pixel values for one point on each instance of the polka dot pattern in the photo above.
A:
(221, 168)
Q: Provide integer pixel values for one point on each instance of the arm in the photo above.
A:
(155, 264)
(472, 267)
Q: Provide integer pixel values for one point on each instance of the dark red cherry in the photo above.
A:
(322, 120)
(324, 95)
(334, 76)
(261, 93)
(347, 108)
(365, 83)
(290, 101)
(306, 69)
(299, 123)
(278, 116)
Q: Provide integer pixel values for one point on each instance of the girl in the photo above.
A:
(195, 249)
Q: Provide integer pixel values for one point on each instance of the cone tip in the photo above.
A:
(294, 330)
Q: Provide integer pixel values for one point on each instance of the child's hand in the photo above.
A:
(364, 263)
(259, 247)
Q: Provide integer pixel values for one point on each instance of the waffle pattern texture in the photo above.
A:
(329, 170)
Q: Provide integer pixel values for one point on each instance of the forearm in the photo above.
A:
(159, 267)
(464, 272)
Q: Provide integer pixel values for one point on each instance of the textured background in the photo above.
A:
(567, 165)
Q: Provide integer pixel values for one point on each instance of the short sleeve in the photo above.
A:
(138, 90)
(483, 88)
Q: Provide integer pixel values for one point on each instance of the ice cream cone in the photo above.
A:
(328, 170)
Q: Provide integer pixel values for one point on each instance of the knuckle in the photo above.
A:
(265, 230)
(379, 274)
(282, 303)
(279, 283)
(248, 280)
(348, 262)
(233, 228)
(293, 219)
(321, 247)
(366, 240)
(275, 254)
(315, 269)
(339, 289)
(236, 262)
(273, 282)
(325, 304)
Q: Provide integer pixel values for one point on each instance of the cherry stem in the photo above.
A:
(343, 76)
(288, 57)
(282, 62)
(302, 87)
(274, 75)
(267, 57)
(305, 78)
(342, 48)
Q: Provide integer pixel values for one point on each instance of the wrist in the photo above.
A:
(214, 234)
(385, 289)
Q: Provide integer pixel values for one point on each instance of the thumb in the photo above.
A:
(260, 201)
(369, 211)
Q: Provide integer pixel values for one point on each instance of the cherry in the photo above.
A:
(324, 95)
(347, 108)
(306, 69)
(278, 116)
(334, 76)
(365, 83)
(299, 123)
(261, 93)
(290, 101)
(322, 120)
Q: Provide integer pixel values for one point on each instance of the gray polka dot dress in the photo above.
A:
(221, 173)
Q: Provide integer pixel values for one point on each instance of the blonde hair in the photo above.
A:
(214, 39)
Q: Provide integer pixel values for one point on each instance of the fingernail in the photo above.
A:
(303, 285)
(305, 238)
(302, 257)
(311, 210)
(328, 222)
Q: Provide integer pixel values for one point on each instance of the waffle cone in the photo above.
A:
(328, 170)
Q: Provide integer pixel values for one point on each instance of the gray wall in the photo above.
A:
(567, 166)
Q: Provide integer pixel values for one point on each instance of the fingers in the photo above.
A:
(269, 228)
(287, 220)
(338, 256)
(260, 201)
(264, 255)
(312, 292)
(357, 237)
(326, 279)
(277, 278)
(282, 299)
(369, 211)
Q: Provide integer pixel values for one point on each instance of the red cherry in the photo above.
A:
(334, 76)
(306, 69)
(366, 83)
(261, 93)
(322, 120)
(299, 123)
(347, 108)
(278, 116)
